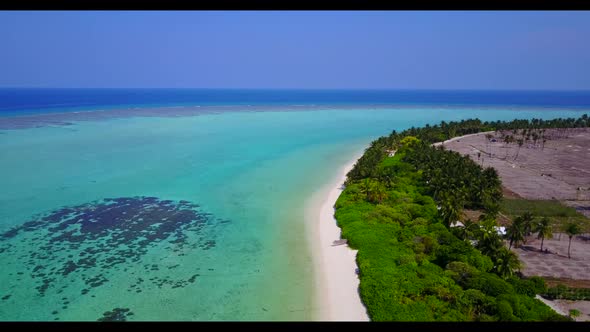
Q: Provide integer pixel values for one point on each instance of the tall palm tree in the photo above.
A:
(527, 224)
(543, 229)
(451, 206)
(571, 229)
(515, 232)
(365, 188)
(378, 192)
(508, 139)
(488, 139)
(491, 194)
(506, 263)
(468, 230)
(520, 142)
(489, 242)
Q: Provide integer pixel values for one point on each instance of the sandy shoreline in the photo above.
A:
(337, 297)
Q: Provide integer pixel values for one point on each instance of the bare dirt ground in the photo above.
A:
(560, 170)
(566, 305)
(555, 263)
(554, 171)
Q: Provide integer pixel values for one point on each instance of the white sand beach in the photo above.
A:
(337, 296)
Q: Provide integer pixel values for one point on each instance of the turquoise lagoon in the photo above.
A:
(179, 218)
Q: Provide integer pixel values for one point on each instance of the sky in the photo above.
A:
(490, 50)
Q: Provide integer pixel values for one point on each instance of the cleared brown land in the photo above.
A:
(555, 263)
(559, 170)
(555, 171)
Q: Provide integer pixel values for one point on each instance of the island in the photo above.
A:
(445, 229)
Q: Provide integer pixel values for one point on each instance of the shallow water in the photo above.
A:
(178, 218)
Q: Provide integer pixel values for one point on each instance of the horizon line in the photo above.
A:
(298, 89)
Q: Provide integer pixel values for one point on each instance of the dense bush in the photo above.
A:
(529, 287)
(489, 284)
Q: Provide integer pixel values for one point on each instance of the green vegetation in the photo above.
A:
(520, 228)
(546, 208)
(543, 230)
(574, 313)
(571, 229)
(561, 292)
(398, 212)
(558, 214)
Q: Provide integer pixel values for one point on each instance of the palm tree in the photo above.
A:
(378, 192)
(506, 263)
(520, 142)
(491, 192)
(489, 242)
(488, 139)
(527, 225)
(508, 139)
(365, 188)
(451, 206)
(543, 228)
(535, 139)
(571, 229)
(468, 229)
(515, 232)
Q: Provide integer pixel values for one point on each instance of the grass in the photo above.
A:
(554, 210)
(546, 208)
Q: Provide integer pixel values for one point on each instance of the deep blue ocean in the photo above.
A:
(15, 101)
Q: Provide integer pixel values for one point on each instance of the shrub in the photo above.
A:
(539, 284)
(574, 313)
(461, 272)
(405, 259)
(523, 286)
(504, 311)
(490, 284)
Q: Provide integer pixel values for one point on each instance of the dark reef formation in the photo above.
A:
(116, 315)
(88, 243)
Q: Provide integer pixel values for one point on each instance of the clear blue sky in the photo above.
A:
(309, 49)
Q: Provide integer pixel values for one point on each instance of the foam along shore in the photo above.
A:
(337, 282)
